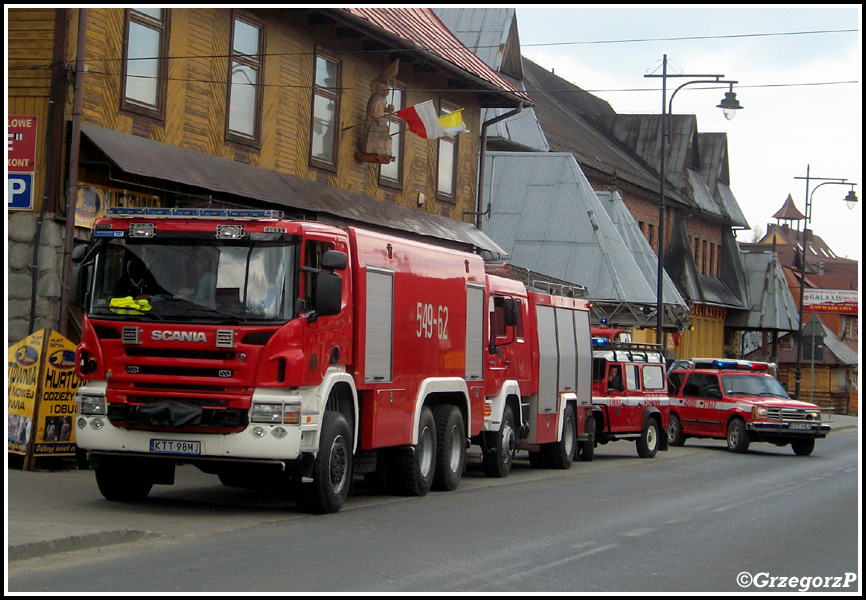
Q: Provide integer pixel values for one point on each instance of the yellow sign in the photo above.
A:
(24, 365)
(42, 386)
(94, 200)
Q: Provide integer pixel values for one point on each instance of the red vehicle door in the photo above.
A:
(696, 414)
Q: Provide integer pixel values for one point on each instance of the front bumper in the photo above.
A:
(788, 429)
(256, 442)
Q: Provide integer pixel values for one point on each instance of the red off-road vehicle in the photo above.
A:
(741, 402)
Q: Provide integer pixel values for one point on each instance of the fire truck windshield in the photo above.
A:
(752, 385)
(189, 279)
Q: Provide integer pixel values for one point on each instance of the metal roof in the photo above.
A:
(789, 211)
(485, 31)
(636, 243)
(771, 305)
(149, 158)
(547, 217)
(421, 29)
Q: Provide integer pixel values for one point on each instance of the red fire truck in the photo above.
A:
(270, 351)
(739, 401)
(629, 394)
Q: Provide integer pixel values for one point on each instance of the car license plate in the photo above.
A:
(800, 426)
(175, 447)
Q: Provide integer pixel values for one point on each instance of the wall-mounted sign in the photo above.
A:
(20, 162)
(830, 301)
(94, 200)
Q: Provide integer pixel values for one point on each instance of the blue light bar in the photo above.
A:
(600, 341)
(219, 213)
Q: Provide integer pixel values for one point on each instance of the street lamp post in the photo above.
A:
(729, 105)
(851, 200)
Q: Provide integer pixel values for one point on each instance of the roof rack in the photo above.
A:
(634, 350)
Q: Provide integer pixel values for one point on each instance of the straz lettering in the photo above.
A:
(178, 336)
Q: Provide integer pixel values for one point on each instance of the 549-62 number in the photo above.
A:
(432, 321)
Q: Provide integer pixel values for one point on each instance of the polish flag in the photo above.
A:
(424, 122)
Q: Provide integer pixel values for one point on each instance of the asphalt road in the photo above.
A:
(694, 519)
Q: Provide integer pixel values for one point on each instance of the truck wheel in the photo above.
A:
(450, 448)
(675, 432)
(586, 451)
(415, 466)
(803, 447)
(120, 481)
(648, 442)
(738, 437)
(499, 455)
(561, 453)
(332, 469)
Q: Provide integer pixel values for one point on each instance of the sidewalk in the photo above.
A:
(58, 511)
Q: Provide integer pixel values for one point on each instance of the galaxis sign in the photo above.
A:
(830, 301)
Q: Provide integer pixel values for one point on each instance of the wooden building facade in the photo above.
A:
(286, 91)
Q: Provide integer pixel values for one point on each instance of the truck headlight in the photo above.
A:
(91, 405)
(759, 412)
(267, 413)
(814, 415)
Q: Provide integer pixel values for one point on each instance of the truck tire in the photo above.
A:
(675, 431)
(119, 480)
(586, 451)
(648, 442)
(560, 454)
(498, 456)
(738, 437)
(803, 447)
(415, 467)
(450, 448)
(332, 469)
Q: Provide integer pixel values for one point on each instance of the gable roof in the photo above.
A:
(547, 217)
(771, 305)
(491, 33)
(421, 31)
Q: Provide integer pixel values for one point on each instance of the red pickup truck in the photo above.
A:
(741, 402)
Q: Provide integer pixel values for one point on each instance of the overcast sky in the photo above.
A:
(781, 129)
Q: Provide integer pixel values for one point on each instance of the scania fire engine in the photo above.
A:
(267, 351)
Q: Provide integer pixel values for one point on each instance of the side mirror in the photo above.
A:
(510, 312)
(334, 260)
(79, 277)
(329, 292)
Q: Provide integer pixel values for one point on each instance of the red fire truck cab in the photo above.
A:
(739, 401)
(629, 395)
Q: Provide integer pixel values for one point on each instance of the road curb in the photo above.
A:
(76, 542)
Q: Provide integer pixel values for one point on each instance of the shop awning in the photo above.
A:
(149, 158)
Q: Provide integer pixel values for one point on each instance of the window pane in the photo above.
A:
(392, 170)
(155, 13)
(243, 100)
(326, 73)
(246, 38)
(142, 66)
(446, 167)
(323, 128)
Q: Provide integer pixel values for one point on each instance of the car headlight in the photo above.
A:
(759, 412)
(91, 405)
(814, 415)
